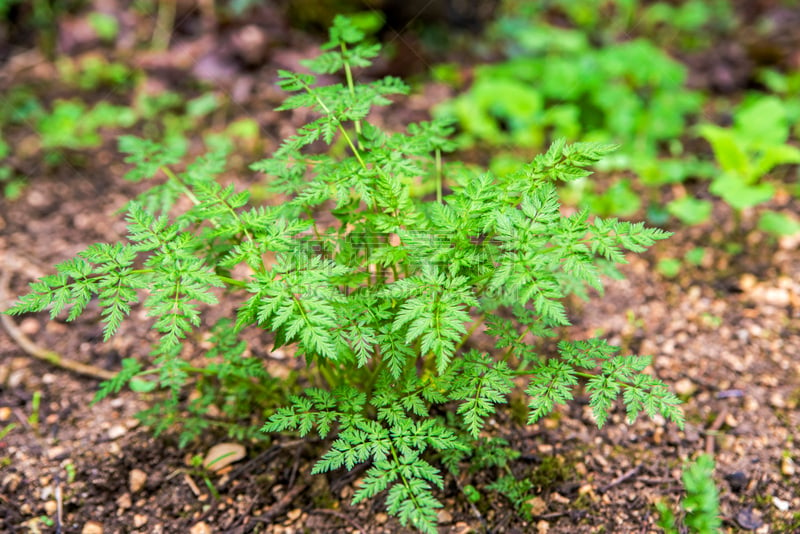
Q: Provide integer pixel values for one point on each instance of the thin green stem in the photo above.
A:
(439, 175)
(522, 372)
(478, 322)
(328, 376)
(226, 279)
(172, 176)
(350, 85)
(165, 20)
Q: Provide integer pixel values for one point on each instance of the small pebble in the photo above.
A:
(444, 517)
(200, 528)
(50, 508)
(747, 282)
(537, 506)
(737, 481)
(787, 466)
(777, 297)
(92, 527)
(139, 520)
(685, 387)
(776, 400)
(124, 501)
(136, 480)
(780, 504)
(294, 515)
(58, 452)
(749, 519)
(731, 421)
(5, 413)
(29, 326)
(587, 489)
(116, 432)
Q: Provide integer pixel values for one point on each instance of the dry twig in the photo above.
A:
(620, 479)
(342, 516)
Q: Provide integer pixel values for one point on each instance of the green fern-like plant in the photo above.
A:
(382, 301)
(701, 503)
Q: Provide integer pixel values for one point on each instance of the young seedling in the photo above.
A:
(381, 299)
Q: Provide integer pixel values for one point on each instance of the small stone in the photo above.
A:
(685, 387)
(787, 466)
(777, 297)
(444, 517)
(542, 527)
(136, 480)
(780, 504)
(776, 400)
(550, 423)
(50, 507)
(55, 327)
(5, 413)
(580, 469)
(200, 528)
(124, 501)
(294, 515)
(381, 518)
(586, 489)
(737, 481)
(747, 282)
(92, 527)
(250, 43)
(731, 421)
(16, 378)
(47, 490)
(537, 506)
(222, 455)
(11, 482)
(139, 520)
(116, 432)
(749, 519)
(58, 452)
(29, 326)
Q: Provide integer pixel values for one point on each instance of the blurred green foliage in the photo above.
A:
(604, 72)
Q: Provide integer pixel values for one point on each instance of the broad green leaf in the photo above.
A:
(690, 210)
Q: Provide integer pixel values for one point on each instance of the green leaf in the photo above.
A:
(552, 384)
(481, 385)
(778, 224)
(740, 195)
(728, 150)
(690, 210)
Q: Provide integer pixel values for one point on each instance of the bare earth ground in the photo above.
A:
(725, 334)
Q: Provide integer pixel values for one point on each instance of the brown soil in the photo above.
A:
(726, 334)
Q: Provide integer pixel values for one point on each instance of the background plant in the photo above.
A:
(700, 506)
(557, 83)
(756, 143)
(381, 303)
